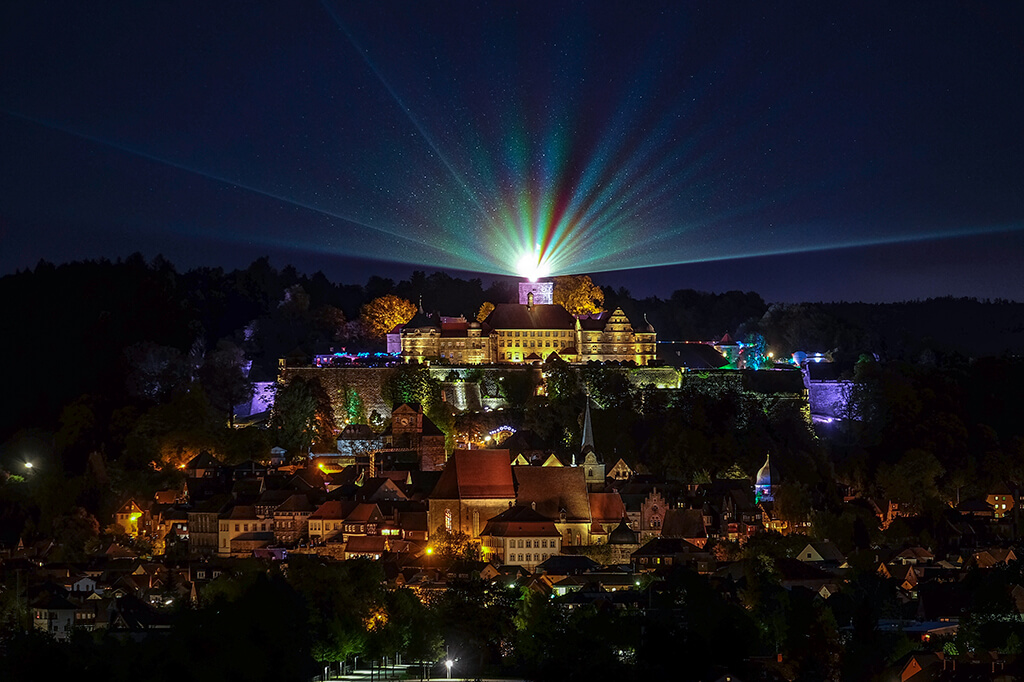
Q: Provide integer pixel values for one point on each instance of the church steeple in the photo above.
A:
(588, 432)
(593, 469)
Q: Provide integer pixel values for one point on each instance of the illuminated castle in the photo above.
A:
(529, 331)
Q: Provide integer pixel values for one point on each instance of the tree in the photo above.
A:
(223, 376)
(383, 314)
(302, 415)
(754, 352)
(485, 309)
(450, 545)
(913, 479)
(578, 294)
(793, 503)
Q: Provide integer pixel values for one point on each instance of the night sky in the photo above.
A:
(812, 151)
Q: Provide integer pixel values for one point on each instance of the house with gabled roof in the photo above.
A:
(366, 546)
(993, 556)
(129, 517)
(687, 524)
(291, 519)
(822, 553)
(1002, 499)
(620, 471)
(54, 614)
(327, 523)
(475, 486)
(242, 529)
(203, 465)
(521, 536)
(661, 552)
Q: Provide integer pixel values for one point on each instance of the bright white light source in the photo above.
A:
(532, 266)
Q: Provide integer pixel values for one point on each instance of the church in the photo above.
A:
(529, 331)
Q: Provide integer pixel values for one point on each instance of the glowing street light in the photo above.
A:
(28, 465)
(448, 664)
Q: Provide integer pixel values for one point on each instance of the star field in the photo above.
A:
(591, 136)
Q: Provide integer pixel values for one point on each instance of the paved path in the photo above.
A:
(408, 673)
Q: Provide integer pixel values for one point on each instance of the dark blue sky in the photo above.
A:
(872, 151)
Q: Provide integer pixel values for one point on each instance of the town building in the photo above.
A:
(521, 536)
(476, 485)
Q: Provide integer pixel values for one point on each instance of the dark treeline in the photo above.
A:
(75, 326)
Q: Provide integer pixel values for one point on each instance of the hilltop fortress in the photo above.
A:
(529, 331)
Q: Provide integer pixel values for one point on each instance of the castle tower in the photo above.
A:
(543, 292)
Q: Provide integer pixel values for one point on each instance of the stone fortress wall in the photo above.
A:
(472, 388)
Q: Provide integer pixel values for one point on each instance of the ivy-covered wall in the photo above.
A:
(357, 393)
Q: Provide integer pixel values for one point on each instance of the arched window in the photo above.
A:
(448, 520)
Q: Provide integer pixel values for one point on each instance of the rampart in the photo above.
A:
(357, 392)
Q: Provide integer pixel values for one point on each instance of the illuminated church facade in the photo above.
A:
(528, 331)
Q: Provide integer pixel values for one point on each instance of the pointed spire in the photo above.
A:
(588, 434)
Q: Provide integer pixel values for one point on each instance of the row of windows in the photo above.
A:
(534, 333)
(245, 527)
(543, 544)
(530, 344)
(528, 557)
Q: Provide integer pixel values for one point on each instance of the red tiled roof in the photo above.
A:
(366, 543)
(334, 509)
(554, 489)
(606, 507)
(520, 521)
(363, 512)
(683, 523)
(476, 474)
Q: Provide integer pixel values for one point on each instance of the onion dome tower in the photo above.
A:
(767, 479)
(622, 535)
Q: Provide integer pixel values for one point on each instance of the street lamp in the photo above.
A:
(28, 465)
(448, 664)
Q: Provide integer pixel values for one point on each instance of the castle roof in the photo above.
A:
(645, 327)
(422, 320)
(537, 316)
(594, 322)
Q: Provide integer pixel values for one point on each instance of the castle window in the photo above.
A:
(448, 519)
